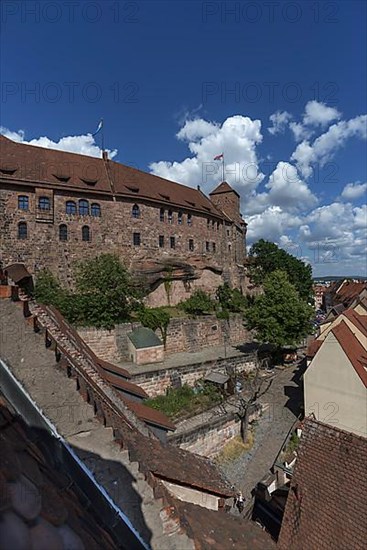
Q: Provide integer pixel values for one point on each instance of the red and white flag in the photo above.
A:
(219, 157)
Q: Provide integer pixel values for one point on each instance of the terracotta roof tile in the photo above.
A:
(223, 187)
(327, 506)
(313, 347)
(150, 415)
(359, 321)
(59, 169)
(352, 347)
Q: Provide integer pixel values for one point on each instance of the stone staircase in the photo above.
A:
(56, 395)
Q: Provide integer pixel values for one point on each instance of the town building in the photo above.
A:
(57, 208)
(335, 382)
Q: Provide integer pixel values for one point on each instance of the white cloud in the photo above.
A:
(270, 224)
(300, 132)
(279, 120)
(353, 191)
(237, 138)
(319, 114)
(325, 146)
(288, 190)
(84, 145)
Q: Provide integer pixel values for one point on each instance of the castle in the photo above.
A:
(57, 208)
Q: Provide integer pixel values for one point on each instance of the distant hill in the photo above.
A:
(339, 277)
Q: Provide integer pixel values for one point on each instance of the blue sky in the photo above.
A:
(178, 82)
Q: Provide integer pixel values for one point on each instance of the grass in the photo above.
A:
(185, 402)
(235, 448)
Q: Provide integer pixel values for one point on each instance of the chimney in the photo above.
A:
(105, 155)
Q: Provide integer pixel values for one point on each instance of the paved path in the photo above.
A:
(282, 407)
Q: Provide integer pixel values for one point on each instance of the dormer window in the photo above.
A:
(62, 177)
(135, 212)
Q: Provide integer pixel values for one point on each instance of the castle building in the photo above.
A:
(57, 208)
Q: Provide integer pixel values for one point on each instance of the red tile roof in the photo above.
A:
(40, 504)
(349, 291)
(353, 349)
(150, 415)
(223, 187)
(359, 321)
(313, 347)
(26, 164)
(327, 507)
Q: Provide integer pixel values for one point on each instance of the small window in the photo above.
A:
(207, 246)
(179, 218)
(85, 233)
(161, 214)
(172, 242)
(135, 212)
(207, 224)
(189, 219)
(22, 230)
(63, 232)
(83, 208)
(161, 241)
(213, 224)
(70, 207)
(95, 210)
(44, 203)
(136, 239)
(23, 202)
(191, 244)
(214, 247)
(217, 226)
(170, 216)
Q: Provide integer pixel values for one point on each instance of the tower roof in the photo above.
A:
(223, 187)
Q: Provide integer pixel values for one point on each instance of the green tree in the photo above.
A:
(268, 257)
(48, 289)
(198, 304)
(279, 316)
(155, 318)
(105, 293)
(230, 299)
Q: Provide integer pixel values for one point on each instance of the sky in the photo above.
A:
(278, 87)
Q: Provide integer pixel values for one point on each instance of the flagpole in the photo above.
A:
(223, 166)
(102, 134)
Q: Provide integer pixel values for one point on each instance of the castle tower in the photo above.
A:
(227, 200)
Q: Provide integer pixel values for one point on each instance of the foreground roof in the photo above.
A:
(353, 349)
(29, 164)
(40, 505)
(327, 507)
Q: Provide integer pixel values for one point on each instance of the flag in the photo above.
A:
(219, 157)
(99, 127)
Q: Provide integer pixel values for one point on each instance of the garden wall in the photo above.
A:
(210, 438)
(184, 334)
(156, 381)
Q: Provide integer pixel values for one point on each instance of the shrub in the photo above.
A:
(155, 318)
(198, 304)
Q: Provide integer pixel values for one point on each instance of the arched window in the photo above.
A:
(189, 219)
(23, 202)
(135, 211)
(161, 214)
(70, 207)
(63, 232)
(83, 208)
(22, 230)
(179, 218)
(170, 216)
(85, 233)
(44, 203)
(95, 210)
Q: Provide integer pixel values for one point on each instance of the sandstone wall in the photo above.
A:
(156, 382)
(189, 335)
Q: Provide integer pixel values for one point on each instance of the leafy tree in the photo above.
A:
(48, 289)
(268, 257)
(198, 304)
(230, 299)
(155, 318)
(105, 291)
(279, 316)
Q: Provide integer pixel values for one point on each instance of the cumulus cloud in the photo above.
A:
(354, 191)
(237, 138)
(319, 114)
(271, 224)
(279, 120)
(325, 146)
(299, 131)
(286, 189)
(84, 144)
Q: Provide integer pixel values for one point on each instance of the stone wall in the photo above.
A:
(156, 382)
(184, 334)
(210, 438)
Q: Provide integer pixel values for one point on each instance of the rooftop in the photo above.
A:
(326, 506)
(143, 337)
(353, 349)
